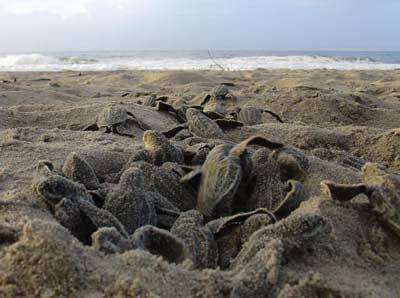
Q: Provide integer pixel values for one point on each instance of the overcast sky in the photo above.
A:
(61, 25)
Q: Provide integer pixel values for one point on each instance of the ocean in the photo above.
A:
(198, 60)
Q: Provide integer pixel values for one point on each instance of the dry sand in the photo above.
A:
(330, 115)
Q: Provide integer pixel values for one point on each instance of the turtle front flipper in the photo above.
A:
(342, 192)
(292, 200)
(173, 131)
(276, 116)
(161, 243)
(227, 124)
(178, 115)
(240, 148)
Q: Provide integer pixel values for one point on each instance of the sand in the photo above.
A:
(330, 115)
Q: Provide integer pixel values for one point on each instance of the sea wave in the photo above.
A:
(40, 62)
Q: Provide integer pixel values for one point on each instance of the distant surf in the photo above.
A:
(198, 60)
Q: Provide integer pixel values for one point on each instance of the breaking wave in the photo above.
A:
(95, 62)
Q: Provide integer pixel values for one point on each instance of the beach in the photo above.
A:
(340, 119)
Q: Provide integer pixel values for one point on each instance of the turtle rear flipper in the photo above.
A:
(292, 200)
(342, 192)
(161, 243)
(276, 116)
(226, 124)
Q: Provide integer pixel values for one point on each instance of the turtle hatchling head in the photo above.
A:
(153, 139)
(55, 188)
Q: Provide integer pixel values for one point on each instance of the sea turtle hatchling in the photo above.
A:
(201, 125)
(295, 231)
(129, 203)
(252, 115)
(71, 204)
(270, 187)
(224, 172)
(189, 227)
(381, 188)
(230, 233)
(115, 118)
(149, 238)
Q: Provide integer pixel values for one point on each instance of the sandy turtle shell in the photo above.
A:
(232, 232)
(381, 188)
(202, 126)
(128, 202)
(220, 91)
(252, 115)
(198, 238)
(222, 175)
(116, 119)
(161, 243)
(295, 230)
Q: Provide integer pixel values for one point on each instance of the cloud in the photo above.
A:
(69, 8)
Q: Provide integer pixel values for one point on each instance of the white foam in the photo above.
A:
(39, 62)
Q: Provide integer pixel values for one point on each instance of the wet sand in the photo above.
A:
(332, 116)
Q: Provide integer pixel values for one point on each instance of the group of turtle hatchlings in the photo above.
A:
(190, 195)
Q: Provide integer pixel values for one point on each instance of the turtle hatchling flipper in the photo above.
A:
(162, 106)
(91, 127)
(342, 192)
(136, 121)
(173, 131)
(161, 243)
(206, 100)
(196, 173)
(227, 124)
(276, 116)
(240, 148)
(293, 199)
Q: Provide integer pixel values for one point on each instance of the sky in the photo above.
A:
(79, 25)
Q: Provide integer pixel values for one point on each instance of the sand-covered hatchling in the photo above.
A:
(115, 118)
(270, 187)
(225, 171)
(200, 125)
(230, 233)
(166, 182)
(381, 188)
(149, 238)
(220, 92)
(157, 150)
(189, 227)
(129, 203)
(71, 204)
(294, 231)
(251, 115)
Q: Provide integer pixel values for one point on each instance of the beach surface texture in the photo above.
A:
(134, 183)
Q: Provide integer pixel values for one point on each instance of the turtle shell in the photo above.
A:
(250, 116)
(189, 227)
(202, 126)
(220, 91)
(220, 180)
(112, 115)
